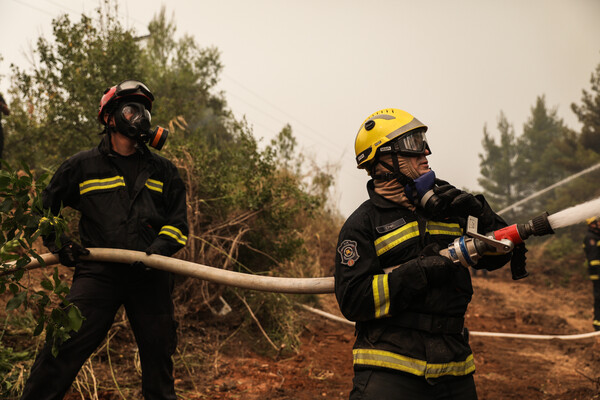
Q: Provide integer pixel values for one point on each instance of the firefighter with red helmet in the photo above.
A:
(128, 198)
(411, 342)
(591, 245)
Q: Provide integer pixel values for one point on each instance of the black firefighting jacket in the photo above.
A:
(591, 245)
(403, 323)
(90, 182)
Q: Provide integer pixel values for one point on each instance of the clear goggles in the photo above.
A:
(129, 87)
(411, 144)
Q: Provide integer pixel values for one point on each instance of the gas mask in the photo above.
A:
(133, 120)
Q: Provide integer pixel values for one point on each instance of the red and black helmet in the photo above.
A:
(135, 90)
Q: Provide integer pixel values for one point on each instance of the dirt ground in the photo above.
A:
(507, 368)
(214, 362)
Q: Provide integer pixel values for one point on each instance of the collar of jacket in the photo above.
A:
(105, 148)
(378, 199)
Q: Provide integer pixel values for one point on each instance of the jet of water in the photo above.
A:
(575, 214)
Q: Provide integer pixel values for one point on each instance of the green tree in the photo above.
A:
(23, 221)
(183, 76)
(499, 176)
(249, 208)
(55, 105)
(539, 160)
(588, 113)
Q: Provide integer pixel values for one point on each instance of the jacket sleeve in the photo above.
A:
(62, 191)
(173, 235)
(363, 291)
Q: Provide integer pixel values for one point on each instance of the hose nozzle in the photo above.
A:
(538, 226)
(517, 233)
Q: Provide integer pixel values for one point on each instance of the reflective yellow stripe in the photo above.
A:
(174, 233)
(396, 237)
(596, 322)
(101, 184)
(594, 277)
(381, 295)
(155, 185)
(387, 359)
(444, 228)
(594, 262)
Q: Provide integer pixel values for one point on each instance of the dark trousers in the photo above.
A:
(99, 291)
(391, 385)
(596, 284)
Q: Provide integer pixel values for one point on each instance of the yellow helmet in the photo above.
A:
(591, 220)
(384, 126)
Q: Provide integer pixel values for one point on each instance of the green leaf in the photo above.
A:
(75, 318)
(14, 288)
(39, 328)
(56, 278)
(46, 284)
(16, 301)
(4, 182)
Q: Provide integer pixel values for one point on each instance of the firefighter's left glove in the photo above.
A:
(159, 247)
(457, 202)
(153, 249)
(69, 255)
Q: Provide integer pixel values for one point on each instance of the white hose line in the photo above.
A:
(536, 194)
(212, 274)
(471, 333)
(535, 337)
(254, 282)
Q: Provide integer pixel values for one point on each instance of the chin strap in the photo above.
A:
(393, 174)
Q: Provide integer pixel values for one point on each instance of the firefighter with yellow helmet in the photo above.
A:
(411, 342)
(591, 245)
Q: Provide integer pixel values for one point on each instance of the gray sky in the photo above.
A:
(324, 66)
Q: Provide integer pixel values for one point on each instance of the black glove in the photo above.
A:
(140, 266)
(438, 269)
(154, 249)
(518, 262)
(69, 254)
(457, 202)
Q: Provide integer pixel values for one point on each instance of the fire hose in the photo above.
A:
(199, 271)
(254, 282)
(465, 250)
(471, 333)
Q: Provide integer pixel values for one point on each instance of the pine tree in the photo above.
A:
(588, 113)
(499, 175)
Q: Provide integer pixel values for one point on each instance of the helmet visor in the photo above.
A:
(129, 87)
(413, 143)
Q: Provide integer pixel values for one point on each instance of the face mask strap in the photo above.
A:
(393, 174)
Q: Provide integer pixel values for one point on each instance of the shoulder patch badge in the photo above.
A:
(348, 252)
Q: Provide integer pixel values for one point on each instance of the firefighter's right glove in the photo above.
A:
(438, 269)
(457, 202)
(140, 266)
(69, 255)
